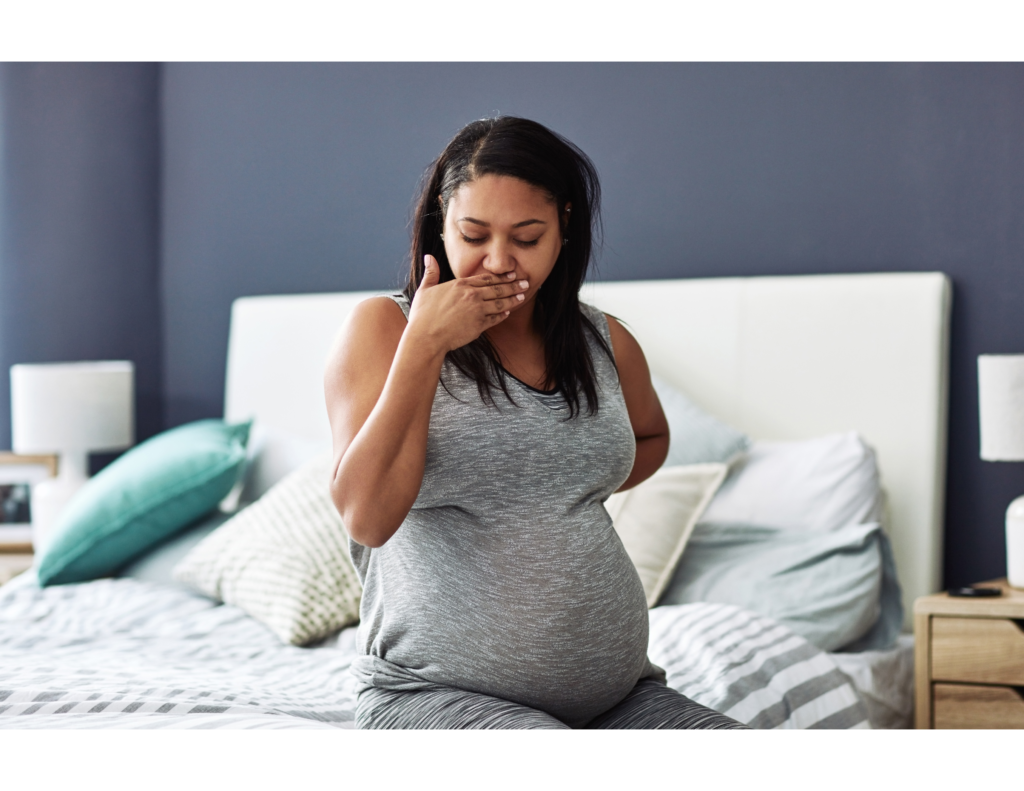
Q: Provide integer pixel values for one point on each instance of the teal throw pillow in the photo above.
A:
(150, 493)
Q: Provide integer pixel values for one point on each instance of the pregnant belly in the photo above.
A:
(574, 667)
(566, 635)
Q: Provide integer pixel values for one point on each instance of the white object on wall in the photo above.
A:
(1001, 412)
(1001, 406)
(1015, 543)
(70, 409)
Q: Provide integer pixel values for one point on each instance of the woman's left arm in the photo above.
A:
(645, 414)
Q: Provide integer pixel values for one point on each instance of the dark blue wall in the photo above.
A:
(292, 178)
(284, 178)
(79, 192)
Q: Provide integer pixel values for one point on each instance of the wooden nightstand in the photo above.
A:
(969, 660)
(14, 561)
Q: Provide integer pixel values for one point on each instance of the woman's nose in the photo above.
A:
(499, 260)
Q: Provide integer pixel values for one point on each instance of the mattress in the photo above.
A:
(125, 653)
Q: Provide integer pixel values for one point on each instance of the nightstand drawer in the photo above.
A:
(967, 706)
(983, 650)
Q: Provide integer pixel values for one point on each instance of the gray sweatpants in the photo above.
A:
(651, 705)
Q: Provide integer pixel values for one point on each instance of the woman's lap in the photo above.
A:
(650, 705)
(446, 708)
(653, 706)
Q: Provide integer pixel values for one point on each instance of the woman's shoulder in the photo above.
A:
(592, 313)
(374, 324)
(386, 309)
(620, 340)
(598, 318)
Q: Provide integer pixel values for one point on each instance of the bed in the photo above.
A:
(781, 358)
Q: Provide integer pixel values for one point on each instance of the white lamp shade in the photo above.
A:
(1001, 406)
(63, 407)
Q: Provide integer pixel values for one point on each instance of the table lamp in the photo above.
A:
(71, 409)
(1001, 408)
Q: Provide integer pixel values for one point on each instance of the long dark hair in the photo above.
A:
(530, 152)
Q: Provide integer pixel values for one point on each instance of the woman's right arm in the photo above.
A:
(380, 383)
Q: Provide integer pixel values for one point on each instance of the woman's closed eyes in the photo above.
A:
(482, 239)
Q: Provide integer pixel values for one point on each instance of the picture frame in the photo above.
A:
(18, 473)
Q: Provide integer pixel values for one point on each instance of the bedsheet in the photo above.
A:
(885, 681)
(123, 653)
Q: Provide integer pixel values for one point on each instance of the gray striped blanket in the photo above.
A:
(121, 653)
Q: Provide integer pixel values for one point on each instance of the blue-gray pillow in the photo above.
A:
(150, 493)
(882, 636)
(157, 564)
(695, 436)
(824, 585)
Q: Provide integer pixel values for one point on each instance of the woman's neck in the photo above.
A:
(520, 347)
(518, 329)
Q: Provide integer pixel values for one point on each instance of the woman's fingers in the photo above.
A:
(488, 279)
(507, 283)
(431, 272)
(494, 286)
(493, 306)
(456, 312)
(512, 296)
(502, 290)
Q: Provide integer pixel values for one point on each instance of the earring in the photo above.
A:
(442, 237)
(565, 241)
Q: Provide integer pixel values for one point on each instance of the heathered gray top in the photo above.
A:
(507, 577)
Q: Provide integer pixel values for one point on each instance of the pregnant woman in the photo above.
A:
(480, 420)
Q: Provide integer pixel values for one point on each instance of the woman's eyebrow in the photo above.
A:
(488, 225)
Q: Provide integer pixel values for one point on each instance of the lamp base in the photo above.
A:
(1015, 543)
(48, 501)
(51, 496)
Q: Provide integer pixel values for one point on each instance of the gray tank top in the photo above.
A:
(507, 577)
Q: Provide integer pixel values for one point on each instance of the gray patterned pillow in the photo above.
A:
(284, 560)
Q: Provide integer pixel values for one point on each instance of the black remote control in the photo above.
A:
(972, 592)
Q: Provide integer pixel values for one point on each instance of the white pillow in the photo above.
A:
(655, 518)
(284, 560)
(817, 484)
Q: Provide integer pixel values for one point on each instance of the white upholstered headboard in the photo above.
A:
(778, 357)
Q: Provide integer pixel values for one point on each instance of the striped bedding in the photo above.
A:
(122, 653)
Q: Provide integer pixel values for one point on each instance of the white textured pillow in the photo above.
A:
(654, 519)
(284, 560)
(824, 483)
